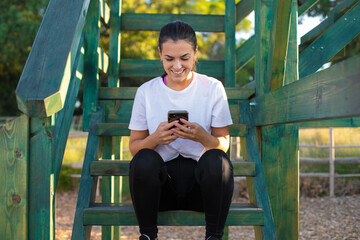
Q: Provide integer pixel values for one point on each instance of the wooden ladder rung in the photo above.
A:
(124, 215)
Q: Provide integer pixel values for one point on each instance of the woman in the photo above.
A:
(181, 164)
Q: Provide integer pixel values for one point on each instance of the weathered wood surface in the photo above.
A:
(87, 184)
(330, 42)
(115, 214)
(14, 167)
(121, 168)
(44, 82)
(40, 188)
(328, 94)
(91, 62)
(128, 93)
(306, 6)
(154, 22)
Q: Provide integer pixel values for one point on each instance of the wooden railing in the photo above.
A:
(46, 95)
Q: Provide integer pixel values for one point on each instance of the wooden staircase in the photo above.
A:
(88, 212)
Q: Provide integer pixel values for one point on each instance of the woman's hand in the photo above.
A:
(141, 139)
(219, 137)
(190, 130)
(163, 134)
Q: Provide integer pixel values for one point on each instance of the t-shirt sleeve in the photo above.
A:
(220, 116)
(138, 115)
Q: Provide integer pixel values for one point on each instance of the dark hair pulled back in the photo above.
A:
(177, 30)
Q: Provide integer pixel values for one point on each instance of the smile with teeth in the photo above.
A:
(178, 72)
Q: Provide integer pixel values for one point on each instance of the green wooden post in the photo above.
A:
(91, 61)
(230, 19)
(41, 191)
(279, 144)
(14, 166)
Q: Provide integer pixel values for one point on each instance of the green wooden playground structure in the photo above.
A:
(288, 92)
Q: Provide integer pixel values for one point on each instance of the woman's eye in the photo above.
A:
(185, 59)
(169, 59)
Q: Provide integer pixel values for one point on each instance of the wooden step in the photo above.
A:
(121, 168)
(121, 129)
(124, 215)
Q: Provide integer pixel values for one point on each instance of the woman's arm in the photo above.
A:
(142, 139)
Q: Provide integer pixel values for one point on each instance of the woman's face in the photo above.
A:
(178, 59)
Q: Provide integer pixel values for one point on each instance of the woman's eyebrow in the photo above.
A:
(186, 54)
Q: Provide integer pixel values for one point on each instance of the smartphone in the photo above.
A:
(174, 115)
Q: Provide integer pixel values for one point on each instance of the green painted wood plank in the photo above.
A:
(243, 9)
(263, 15)
(63, 119)
(40, 190)
(306, 6)
(44, 82)
(121, 168)
(128, 93)
(279, 146)
(279, 42)
(279, 155)
(332, 17)
(328, 94)
(330, 42)
(260, 188)
(245, 53)
(230, 43)
(239, 214)
(14, 166)
(91, 62)
(154, 22)
(87, 183)
(114, 45)
(346, 122)
(154, 68)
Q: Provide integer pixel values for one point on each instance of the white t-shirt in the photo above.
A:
(205, 100)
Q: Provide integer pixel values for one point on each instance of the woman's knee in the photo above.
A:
(215, 163)
(145, 162)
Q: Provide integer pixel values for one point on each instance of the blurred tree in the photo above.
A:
(19, 22)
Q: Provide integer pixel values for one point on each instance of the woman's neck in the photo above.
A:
(178, 86)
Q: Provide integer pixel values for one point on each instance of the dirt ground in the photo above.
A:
(320, 218)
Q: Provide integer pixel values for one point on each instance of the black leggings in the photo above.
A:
(181, 184)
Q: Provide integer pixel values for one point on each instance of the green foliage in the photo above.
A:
(66, 182)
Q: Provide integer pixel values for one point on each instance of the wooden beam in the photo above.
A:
(230, 43)
(114, 45)
(332, 17)
(91, 62)
(245, 53)
(263, 16)
(279, 42)
(306, 6)
(330, 42)
(154, 22)
(154, 68)
(128, 93)
(44, 82)
(243, 9)
(328, 94)
(104, 11)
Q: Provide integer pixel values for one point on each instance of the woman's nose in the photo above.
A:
(177, 64)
